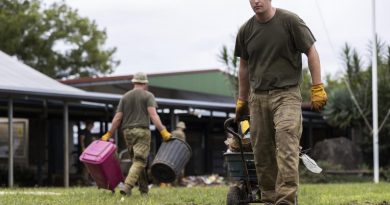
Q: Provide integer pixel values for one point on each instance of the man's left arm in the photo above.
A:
(314, 65)
(157, 122)
(318, 94)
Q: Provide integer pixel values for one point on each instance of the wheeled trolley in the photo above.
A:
(241, 169)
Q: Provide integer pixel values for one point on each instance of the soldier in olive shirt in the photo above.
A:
(134, 112)
(270, 45)
(179, 131)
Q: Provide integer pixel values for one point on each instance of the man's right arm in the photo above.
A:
(116, 121)
(82, 138)
(114, 125)
(243, 80)
(243, 90)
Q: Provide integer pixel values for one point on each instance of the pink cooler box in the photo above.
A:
(102, 165)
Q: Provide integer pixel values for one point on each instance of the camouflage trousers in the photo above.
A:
(276, 128)
(138, 143)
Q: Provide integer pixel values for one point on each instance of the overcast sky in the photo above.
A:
(179, 35)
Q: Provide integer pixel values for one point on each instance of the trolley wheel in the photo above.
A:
(234, 196)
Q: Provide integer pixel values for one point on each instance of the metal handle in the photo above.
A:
(228, 127)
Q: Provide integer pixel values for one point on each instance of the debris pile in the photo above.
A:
(233, 145)
(206, 180)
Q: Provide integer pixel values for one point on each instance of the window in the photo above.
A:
(20, 135)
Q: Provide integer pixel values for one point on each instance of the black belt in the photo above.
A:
(276, 88)
(139, 127)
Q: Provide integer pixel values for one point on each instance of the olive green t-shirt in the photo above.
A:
(134, 106)
(274, 50)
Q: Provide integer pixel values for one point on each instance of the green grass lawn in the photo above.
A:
(310, 194)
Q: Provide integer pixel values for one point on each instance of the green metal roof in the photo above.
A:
(208, 81)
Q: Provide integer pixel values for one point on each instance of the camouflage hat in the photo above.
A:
(181, 124)
(140, 78)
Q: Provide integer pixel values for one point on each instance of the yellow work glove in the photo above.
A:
(242, 109)
(165, 134)
(318, 97)
(106, 136)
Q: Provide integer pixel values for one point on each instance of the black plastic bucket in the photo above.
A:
(170, 160)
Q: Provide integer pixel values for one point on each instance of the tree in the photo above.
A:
(350, 104)
(349, 94)
(231, 62)
(55, 39)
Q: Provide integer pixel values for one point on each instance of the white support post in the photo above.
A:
(10, 144)
(66, 145)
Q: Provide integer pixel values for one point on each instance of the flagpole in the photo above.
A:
(375, 97)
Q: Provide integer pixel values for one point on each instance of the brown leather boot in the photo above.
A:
(126, 190)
